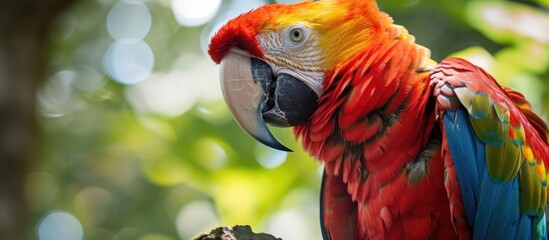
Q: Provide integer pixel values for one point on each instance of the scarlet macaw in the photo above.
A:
(412, 149)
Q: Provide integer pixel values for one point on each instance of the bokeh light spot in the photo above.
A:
(269, 158)
(194, 218)
(93, 204)
(57, 97)
(288, 224)
(195, 13)
(168, 170)
(297, 220)
(129, 63)
(129, 20)
(174, 93)
(58, 225)
(525, 22)
(88, 80)
(533, 26)
(212, 154)
(496, 16)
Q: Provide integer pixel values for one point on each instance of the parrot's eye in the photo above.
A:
(296, 34)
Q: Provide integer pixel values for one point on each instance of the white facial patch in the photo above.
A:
(293, 51)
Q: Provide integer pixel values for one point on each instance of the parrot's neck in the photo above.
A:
(375, 114)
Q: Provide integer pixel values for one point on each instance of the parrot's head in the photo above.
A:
(275, 59)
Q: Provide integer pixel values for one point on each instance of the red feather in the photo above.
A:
(361, 130)
(338, 209)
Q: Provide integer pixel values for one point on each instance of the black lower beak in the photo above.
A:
(290, 103)
(287, 101)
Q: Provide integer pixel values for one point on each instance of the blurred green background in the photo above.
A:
(134, 140)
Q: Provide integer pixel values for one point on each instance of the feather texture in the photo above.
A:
(393, 173)
(412, 149)
(498, 155)
(338, 213)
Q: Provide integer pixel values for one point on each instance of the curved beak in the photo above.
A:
(246, 88)
(255, 96)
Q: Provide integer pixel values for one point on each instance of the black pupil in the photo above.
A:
(297, 34)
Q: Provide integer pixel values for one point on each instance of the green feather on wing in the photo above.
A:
(506, 151)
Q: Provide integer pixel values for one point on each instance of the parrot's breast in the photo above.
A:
(374, 130)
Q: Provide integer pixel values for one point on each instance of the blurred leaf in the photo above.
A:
(509, 22)
(168, 171)
(155, 237)
(478, 56)
(248, 194)
(529, 56)
(543, 2)
(159, 126)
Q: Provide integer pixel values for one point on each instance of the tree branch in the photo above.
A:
(235, 233)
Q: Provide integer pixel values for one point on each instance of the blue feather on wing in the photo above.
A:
(492, 208)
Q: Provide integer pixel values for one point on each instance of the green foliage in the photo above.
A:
(129, 170)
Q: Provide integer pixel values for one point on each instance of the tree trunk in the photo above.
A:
(23, 37)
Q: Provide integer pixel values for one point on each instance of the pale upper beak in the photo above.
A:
(254, 96)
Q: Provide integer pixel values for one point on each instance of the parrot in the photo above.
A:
(411, 148)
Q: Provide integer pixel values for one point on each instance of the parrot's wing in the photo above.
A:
(337, 210)
(495, 151)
